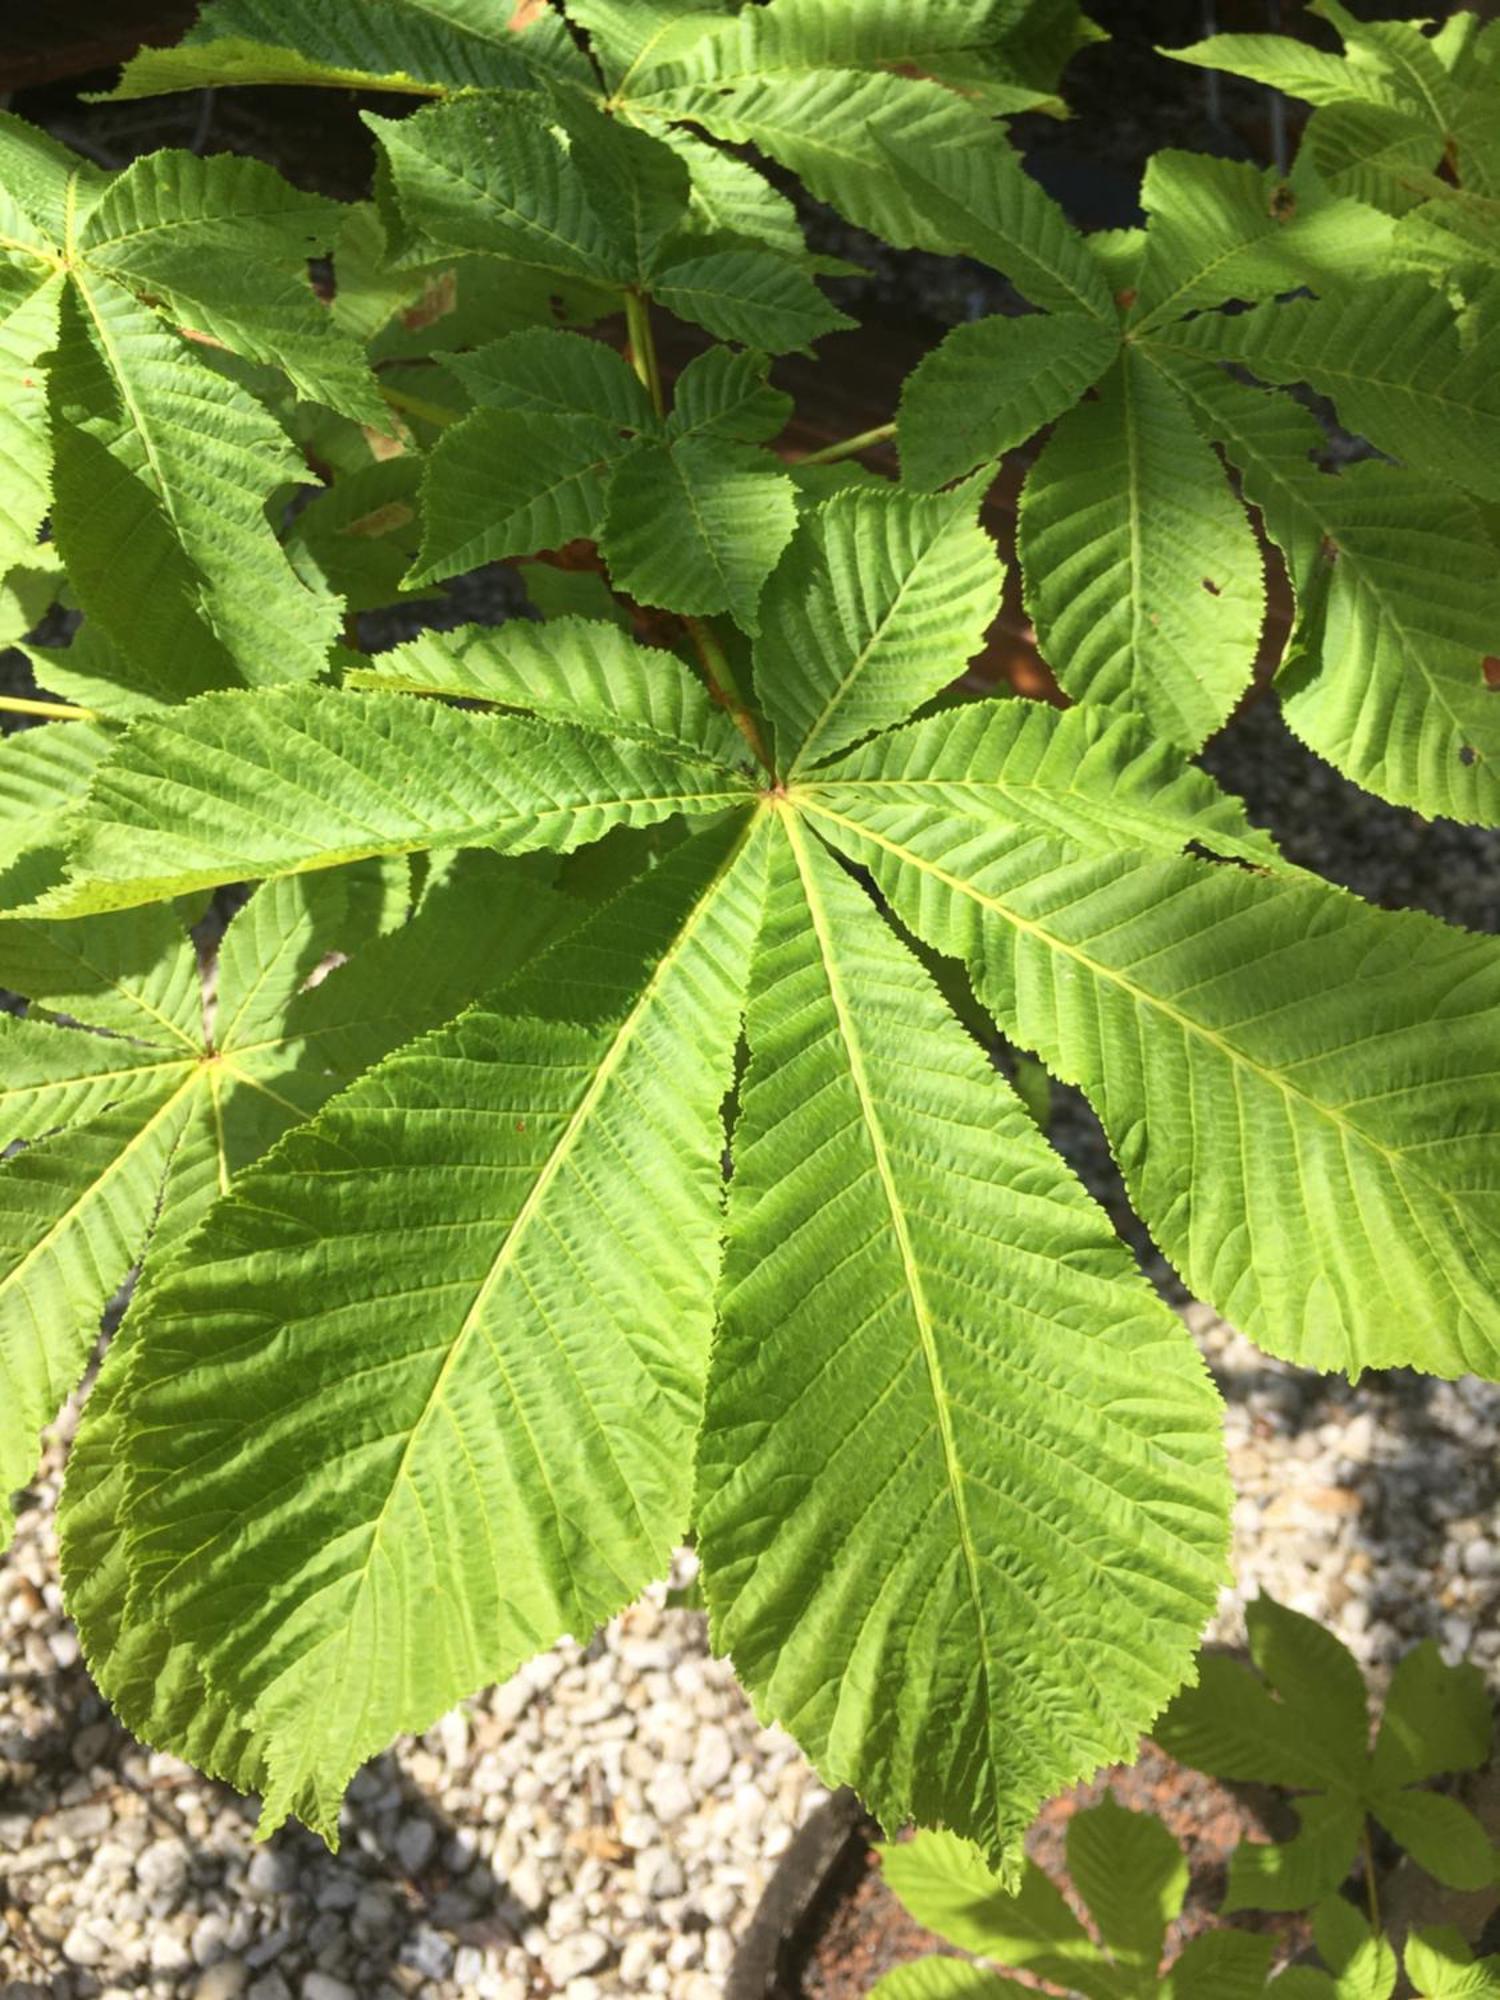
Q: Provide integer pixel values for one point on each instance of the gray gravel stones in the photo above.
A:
(602, 1825)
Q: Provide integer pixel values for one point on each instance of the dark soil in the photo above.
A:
(867, 1932)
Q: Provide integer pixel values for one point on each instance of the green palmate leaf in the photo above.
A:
(1304, 1725)
(1172, 989)
(958, 1687)
(881, 601)
(748, 295)
(492, 174)
(1220, 1965)
(945, 1979)
(29, 305)
(1394, 360)
(1399, 604)
(425, 46)
(359, 538)
(223, 244)
(132, 1132)
(569, 670)
(44, 773)
(1220, 230)
(1132, 1877)
(974, 196)
(555, 374)
(991, 385)
(1441, 1966)
(1142, 574)
(723, 394)
(235, 787)
(162, 468)
(513, 1401)
(164, 461)
(507, 483)
(697, 526)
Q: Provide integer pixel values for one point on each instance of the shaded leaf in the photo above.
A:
(992, 384)
(881, 600)
(697, 526)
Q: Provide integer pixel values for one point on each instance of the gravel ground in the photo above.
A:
(604, 1823)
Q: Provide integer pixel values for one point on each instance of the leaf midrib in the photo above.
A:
(921, 1311)
(111, 1172)
(1397, 1162)
(504, 1255)
(1300, 491)
(857, 665)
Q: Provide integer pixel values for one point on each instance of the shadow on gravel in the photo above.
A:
(398, 1904)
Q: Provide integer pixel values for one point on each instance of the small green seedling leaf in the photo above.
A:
(1300, 1722)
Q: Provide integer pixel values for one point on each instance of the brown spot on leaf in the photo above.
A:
(1492, 671)
(525, 14)
(1283, 202)
(1328, 549)
(1211, 587)
(1126, 299)
(1468, 754)
(203, 339)
(382, 446)
(439, 297)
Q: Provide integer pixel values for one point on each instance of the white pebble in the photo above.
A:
(584, 1951)
(323, 1986)
(224, 1981)
(84, 1946)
